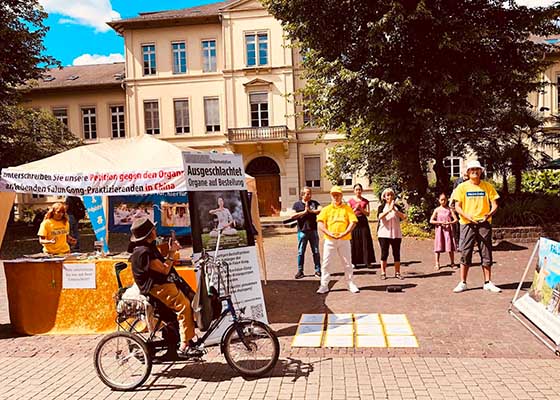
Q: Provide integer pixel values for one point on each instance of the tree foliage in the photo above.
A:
(410, 81)
(21, 44)
(27, 135)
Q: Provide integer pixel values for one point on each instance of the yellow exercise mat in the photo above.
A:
(312, 319)
(398, 330)
(340, 329)
(402, 341)
(369, 330)
(371, 341)
(367, 319)
(340, 319)
(338, 341)
(310, 329)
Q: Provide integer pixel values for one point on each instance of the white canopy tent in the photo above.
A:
(138, 165)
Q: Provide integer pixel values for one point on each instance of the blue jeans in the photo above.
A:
(313, 238)
(74, 231)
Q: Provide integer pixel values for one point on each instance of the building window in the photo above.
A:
(259, 109)
(37, 196)
(212, 114)
(257, 49)
(209, 56)
(89, 123)
(149, 56)
(151, 117)
(61, 114)
(182, 124)
(179, 57)
(453, 165)
(345, 180)
(117, 121)
(308, 120)
(312, 167)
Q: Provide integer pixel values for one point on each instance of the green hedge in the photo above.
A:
(528, 210)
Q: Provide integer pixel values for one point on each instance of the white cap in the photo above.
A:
(474, 164)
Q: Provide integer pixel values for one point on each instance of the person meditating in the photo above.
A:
(225, 220)
(54, 232)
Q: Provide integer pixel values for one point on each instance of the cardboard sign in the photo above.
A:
(78, 276)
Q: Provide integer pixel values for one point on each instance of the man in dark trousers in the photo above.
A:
(76, 211)
(305, 213)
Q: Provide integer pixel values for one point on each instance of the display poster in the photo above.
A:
(78, 276)
(96, 215)
(170, 211)
(541, 304)
(218, 201)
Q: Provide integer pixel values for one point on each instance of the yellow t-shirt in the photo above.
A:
(337, 219)
(58, 230)
(475, 199)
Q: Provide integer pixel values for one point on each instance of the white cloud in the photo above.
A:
(536, 3)
(89, 59)
(93, 13)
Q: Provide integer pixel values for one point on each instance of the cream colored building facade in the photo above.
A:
(215, 77)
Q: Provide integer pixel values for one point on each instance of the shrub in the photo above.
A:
(546, 182)
(528, 210)
(417, 230)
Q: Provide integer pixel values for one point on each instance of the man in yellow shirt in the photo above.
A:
(476, 202)
(336, 221)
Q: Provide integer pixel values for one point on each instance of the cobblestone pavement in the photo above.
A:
(470, 348)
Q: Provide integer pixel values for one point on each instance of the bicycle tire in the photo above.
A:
(258, 336)
(128, 346)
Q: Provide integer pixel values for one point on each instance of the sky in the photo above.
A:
(79, 34)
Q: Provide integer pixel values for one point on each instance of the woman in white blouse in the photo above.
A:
(389, 232)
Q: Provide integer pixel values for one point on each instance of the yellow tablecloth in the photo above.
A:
(38, 304)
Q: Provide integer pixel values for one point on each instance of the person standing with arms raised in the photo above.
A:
(476, 202)
(305, 213)
(336, 221)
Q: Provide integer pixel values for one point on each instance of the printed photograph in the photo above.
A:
(175, 215)
(127, 213)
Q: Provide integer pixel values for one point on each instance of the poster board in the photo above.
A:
(541, 304)
(218, 200)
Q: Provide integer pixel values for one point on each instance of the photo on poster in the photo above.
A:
(225, 210)
(127, 213)
(545, 288)
(175, 215)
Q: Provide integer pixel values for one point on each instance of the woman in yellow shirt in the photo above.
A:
(54, 231)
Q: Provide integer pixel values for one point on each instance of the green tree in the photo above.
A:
(21, 44)
(28, 134)
(409, 81)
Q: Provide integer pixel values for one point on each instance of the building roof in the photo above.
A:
(79, 76)
(204, 14)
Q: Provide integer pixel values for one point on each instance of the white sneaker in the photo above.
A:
(461, 287)
(353, 288)
(323, 289)
(491, 287)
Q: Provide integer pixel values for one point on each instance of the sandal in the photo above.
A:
(383, 276)
(437, 267)
(399, 276)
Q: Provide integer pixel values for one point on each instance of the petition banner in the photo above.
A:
(219, 202)
(88, 184)
(541, 304)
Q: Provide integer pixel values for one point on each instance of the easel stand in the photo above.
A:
(531, 327)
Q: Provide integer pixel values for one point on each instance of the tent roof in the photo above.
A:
(138, 153)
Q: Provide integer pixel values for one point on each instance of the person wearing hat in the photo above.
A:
(150, 270)
(476, 202)
(336, 222)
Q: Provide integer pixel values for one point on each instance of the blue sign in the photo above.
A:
(94, 206)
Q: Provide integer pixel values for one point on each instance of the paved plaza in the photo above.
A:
(469, 346)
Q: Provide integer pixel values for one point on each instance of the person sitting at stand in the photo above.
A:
(54, 232)
(225, 220)
(151, 270)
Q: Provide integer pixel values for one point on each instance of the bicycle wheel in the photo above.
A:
(255, 353)
(122, 361)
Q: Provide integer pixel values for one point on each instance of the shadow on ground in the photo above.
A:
(220, 371)
(504, 245)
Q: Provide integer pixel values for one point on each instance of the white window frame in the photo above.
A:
(256, 40)
(176, 56)
(119, 119)
(451, 163)
(61, 118)
(259, 111)
(89, 127)
(347, 180)
(152, 69)
(214, 128)
(312, 183)
(188, 117)
(154, 126)
(207, 65)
